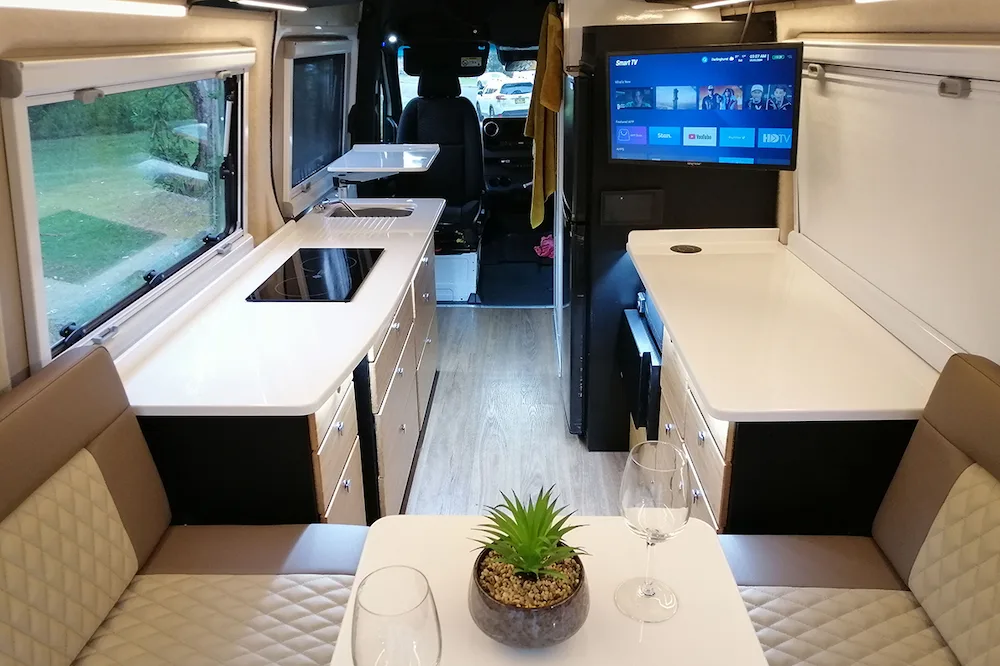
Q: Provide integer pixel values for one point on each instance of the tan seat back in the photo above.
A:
(939, 523)
(81, 506)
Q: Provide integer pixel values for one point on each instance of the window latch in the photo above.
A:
(153, 278)
(88, 95)
(71, 333)
(226, 170)
(104, 336)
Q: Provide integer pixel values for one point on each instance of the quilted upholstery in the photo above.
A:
(840, 627)
(198, 620)
(956, 575)
(65, 558)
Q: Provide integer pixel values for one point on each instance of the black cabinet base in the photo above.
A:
(812, 478)
(234, 470)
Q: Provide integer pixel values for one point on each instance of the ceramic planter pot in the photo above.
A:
(528, 627)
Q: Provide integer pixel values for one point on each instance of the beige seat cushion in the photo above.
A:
(65, 557)
(235, 620)
(956, 575)
(841, 627)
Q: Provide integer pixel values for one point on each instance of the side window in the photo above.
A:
(120, 189)
(128, 188)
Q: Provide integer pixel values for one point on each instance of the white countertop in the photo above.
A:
(765, 338)
(234, 357)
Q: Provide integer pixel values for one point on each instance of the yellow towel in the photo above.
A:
(543, 114)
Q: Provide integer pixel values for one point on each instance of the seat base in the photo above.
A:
(231, 620)
(843, 627)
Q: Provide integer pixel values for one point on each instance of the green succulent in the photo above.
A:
(529, 537)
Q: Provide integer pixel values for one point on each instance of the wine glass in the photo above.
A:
(656, 503)
(395, 620)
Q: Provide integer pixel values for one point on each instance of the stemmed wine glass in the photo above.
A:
(395, 620)
(656, 502)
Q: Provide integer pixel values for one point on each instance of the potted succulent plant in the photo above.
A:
(528, 587)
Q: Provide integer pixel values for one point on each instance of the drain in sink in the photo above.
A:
(686, 249)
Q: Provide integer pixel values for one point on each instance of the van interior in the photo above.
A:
(404, 332)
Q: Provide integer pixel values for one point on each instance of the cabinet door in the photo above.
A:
(427, 369)
(348, 504)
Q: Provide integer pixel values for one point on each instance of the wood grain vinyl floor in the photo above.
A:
(497, 423)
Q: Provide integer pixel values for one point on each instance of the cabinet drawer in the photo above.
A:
(705, 455)
(336, 448)
(399, 449)
(673, 382)
(386, 362)
(326, 414)
(348, 504)
(700, 508)
(669, 430)
(393, 416)
(424, 293)
(427, 368)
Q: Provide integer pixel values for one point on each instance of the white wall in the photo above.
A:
(962, 16)
(896, 16)
(580, 13)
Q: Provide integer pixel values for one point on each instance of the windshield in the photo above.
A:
(477, 89)
(517, 88)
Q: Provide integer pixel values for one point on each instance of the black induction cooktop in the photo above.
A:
(319, 275)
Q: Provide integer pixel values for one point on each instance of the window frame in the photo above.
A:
(30, 82)
(294, 200)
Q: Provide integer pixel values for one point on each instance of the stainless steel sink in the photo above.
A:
(370, 211)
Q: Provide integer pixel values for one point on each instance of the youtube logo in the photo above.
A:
(701, 136)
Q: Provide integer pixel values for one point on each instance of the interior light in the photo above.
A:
(719, 3)
(267, 4)
(319, 27)
(393, 39)
(133, 7)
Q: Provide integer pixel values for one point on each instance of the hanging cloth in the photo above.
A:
(543, 114)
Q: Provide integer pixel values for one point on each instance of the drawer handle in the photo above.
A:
(425, 260)
(701, 438)
(668, 428)
(347, 485)
(339, 425)
(427, 297)
(402, 428)
(697, 496)
(399, 371)
(428, 341)
(396, 326)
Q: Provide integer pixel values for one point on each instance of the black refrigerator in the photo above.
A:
(603, 202)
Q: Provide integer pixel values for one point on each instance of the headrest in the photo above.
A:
(965, 408)
(434, 85)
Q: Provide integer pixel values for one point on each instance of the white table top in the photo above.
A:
(711, 627)
(387, 158)
(237, 358)
(765, 338)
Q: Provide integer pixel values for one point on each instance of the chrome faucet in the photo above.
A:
(323, 205)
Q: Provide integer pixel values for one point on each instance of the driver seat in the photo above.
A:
(439, 114)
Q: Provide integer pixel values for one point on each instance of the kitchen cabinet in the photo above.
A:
(350, 461)
(776, 477)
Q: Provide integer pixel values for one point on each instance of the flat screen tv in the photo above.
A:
(318, 86)
(733, 106)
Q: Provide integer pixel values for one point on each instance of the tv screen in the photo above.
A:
(719, 106)
(317, 114)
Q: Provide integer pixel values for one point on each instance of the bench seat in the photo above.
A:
(925, 589)
(92, 573)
